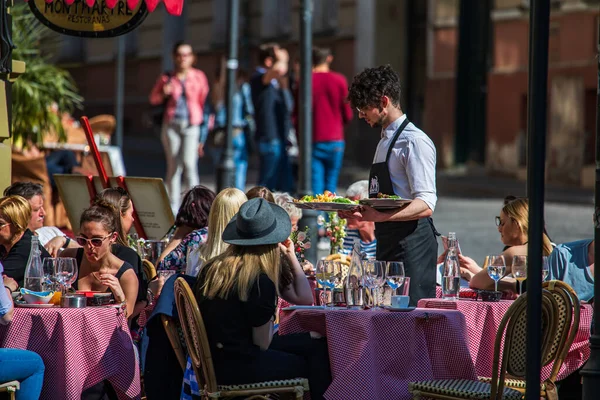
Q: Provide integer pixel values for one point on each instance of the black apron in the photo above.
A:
(412, 242)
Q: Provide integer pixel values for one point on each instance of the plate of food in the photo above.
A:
(385, 202)
(327, 201)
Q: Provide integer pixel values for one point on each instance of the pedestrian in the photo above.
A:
(330, 112)
(273, 104)
(183, 93)
(404, 165)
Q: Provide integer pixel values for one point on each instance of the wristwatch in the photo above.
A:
(150, 297)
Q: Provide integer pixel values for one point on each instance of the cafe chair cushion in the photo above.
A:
(460, 388)
(265, 385)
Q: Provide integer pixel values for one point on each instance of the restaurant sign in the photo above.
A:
(82, 20)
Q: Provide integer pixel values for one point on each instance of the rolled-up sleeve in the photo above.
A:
(420, 170)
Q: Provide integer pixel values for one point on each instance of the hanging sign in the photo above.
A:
(82, 20)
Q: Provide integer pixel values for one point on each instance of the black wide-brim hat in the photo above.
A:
(258, 223)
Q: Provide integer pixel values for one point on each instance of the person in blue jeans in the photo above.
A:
(24, 366)
(243, 125)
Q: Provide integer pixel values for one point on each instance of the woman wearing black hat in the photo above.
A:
(237, 294)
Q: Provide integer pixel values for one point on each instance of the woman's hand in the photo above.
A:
(55, 244)
(10, 283)
(115, 286)
(287, 248)
(156, 285)
(442, 257)
(469, 264)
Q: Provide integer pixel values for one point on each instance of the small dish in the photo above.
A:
(490, 295)
(401, 309)
(32, 297)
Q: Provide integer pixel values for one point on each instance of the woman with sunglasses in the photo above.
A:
(100, 270)
(513, 226)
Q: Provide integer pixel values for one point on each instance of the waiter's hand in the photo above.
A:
(364, 213)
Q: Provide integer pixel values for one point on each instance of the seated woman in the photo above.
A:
(242, 283)
(191, 223)
(513, 226)
(226, 205)
(24, 366)
(100, 270)
(15, 237)
(260, 191)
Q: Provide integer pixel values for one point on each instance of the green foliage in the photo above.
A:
(41, 86)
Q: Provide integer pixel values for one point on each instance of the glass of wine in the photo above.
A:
(496, 269)
(519, 270)
(545, 268)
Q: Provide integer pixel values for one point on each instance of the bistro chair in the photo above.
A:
(149, 269)
(567, 328)
(196, 340)
(176, 338)
(10, 388)
(511, 360)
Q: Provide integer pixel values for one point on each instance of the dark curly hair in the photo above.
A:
(372, 84)
(195, 207)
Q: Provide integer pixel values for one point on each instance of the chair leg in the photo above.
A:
(299, 393)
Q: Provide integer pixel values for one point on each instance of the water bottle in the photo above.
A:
(353, 284)
(451, 270)
(34, 272)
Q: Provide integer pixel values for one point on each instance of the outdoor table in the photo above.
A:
(483, 320)
(81, 347)
(374, 354)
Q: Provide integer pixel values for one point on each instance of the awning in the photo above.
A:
(174, 7)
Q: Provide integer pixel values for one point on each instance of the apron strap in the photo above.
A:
(396, 136)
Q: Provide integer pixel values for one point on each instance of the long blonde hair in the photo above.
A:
(518, 211)
(238, 268)
(224, 207)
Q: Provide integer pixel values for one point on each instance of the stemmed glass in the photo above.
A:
(375, 278)
(395, 275)
(49, 267)
(328, 276)
(66, 272)
(496, 269)
(519, 270)
(545, 268)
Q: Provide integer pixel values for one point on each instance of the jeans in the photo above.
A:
(180, 142)
(240, 159)
(327, 161)
(275, 170)
(26, 367)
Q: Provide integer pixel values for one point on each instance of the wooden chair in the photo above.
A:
(10, 388)
(199, 350)
(149, 269)
(175, 335)
(510, 363)
(567, 328)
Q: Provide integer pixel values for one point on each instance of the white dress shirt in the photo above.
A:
(412, 162)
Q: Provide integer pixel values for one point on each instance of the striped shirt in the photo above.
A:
(369, 248)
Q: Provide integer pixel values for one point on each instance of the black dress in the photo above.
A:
(15, 261)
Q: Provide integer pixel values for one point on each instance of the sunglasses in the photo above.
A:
(96, 242)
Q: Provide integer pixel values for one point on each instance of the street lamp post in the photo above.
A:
(591, 370)
(226, 168)
(309, 217)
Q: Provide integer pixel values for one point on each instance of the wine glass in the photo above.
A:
(374, 278)
(395, 275)
(496, 269)
(49, 267)
(519, 270)
(328, 278)
(67, 272)
(545, 268)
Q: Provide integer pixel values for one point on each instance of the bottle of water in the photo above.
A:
(353, 284)
(451, 270)
(34, 272)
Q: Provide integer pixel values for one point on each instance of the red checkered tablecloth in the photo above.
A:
(483, 319)
(374, 354)
(80, 348)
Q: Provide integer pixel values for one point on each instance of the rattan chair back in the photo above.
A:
(149, 269)
(173, 328)
(195, 336)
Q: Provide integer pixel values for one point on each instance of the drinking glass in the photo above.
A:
(395, 275)
(519, 270)
(375, 278)
(545, 268)
(67, 272)
(328, 276)
(496, 269)
(49, 267)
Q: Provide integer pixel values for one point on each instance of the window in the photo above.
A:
(325, 16)
(276, 19)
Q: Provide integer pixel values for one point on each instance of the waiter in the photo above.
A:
(404, 165)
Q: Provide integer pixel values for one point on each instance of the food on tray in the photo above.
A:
(326, 197)
(388, 196)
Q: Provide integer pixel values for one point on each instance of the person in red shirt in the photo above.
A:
(331, 112)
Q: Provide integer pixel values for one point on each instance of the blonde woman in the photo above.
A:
(242, 283)
(513, 226)
(224, 207)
